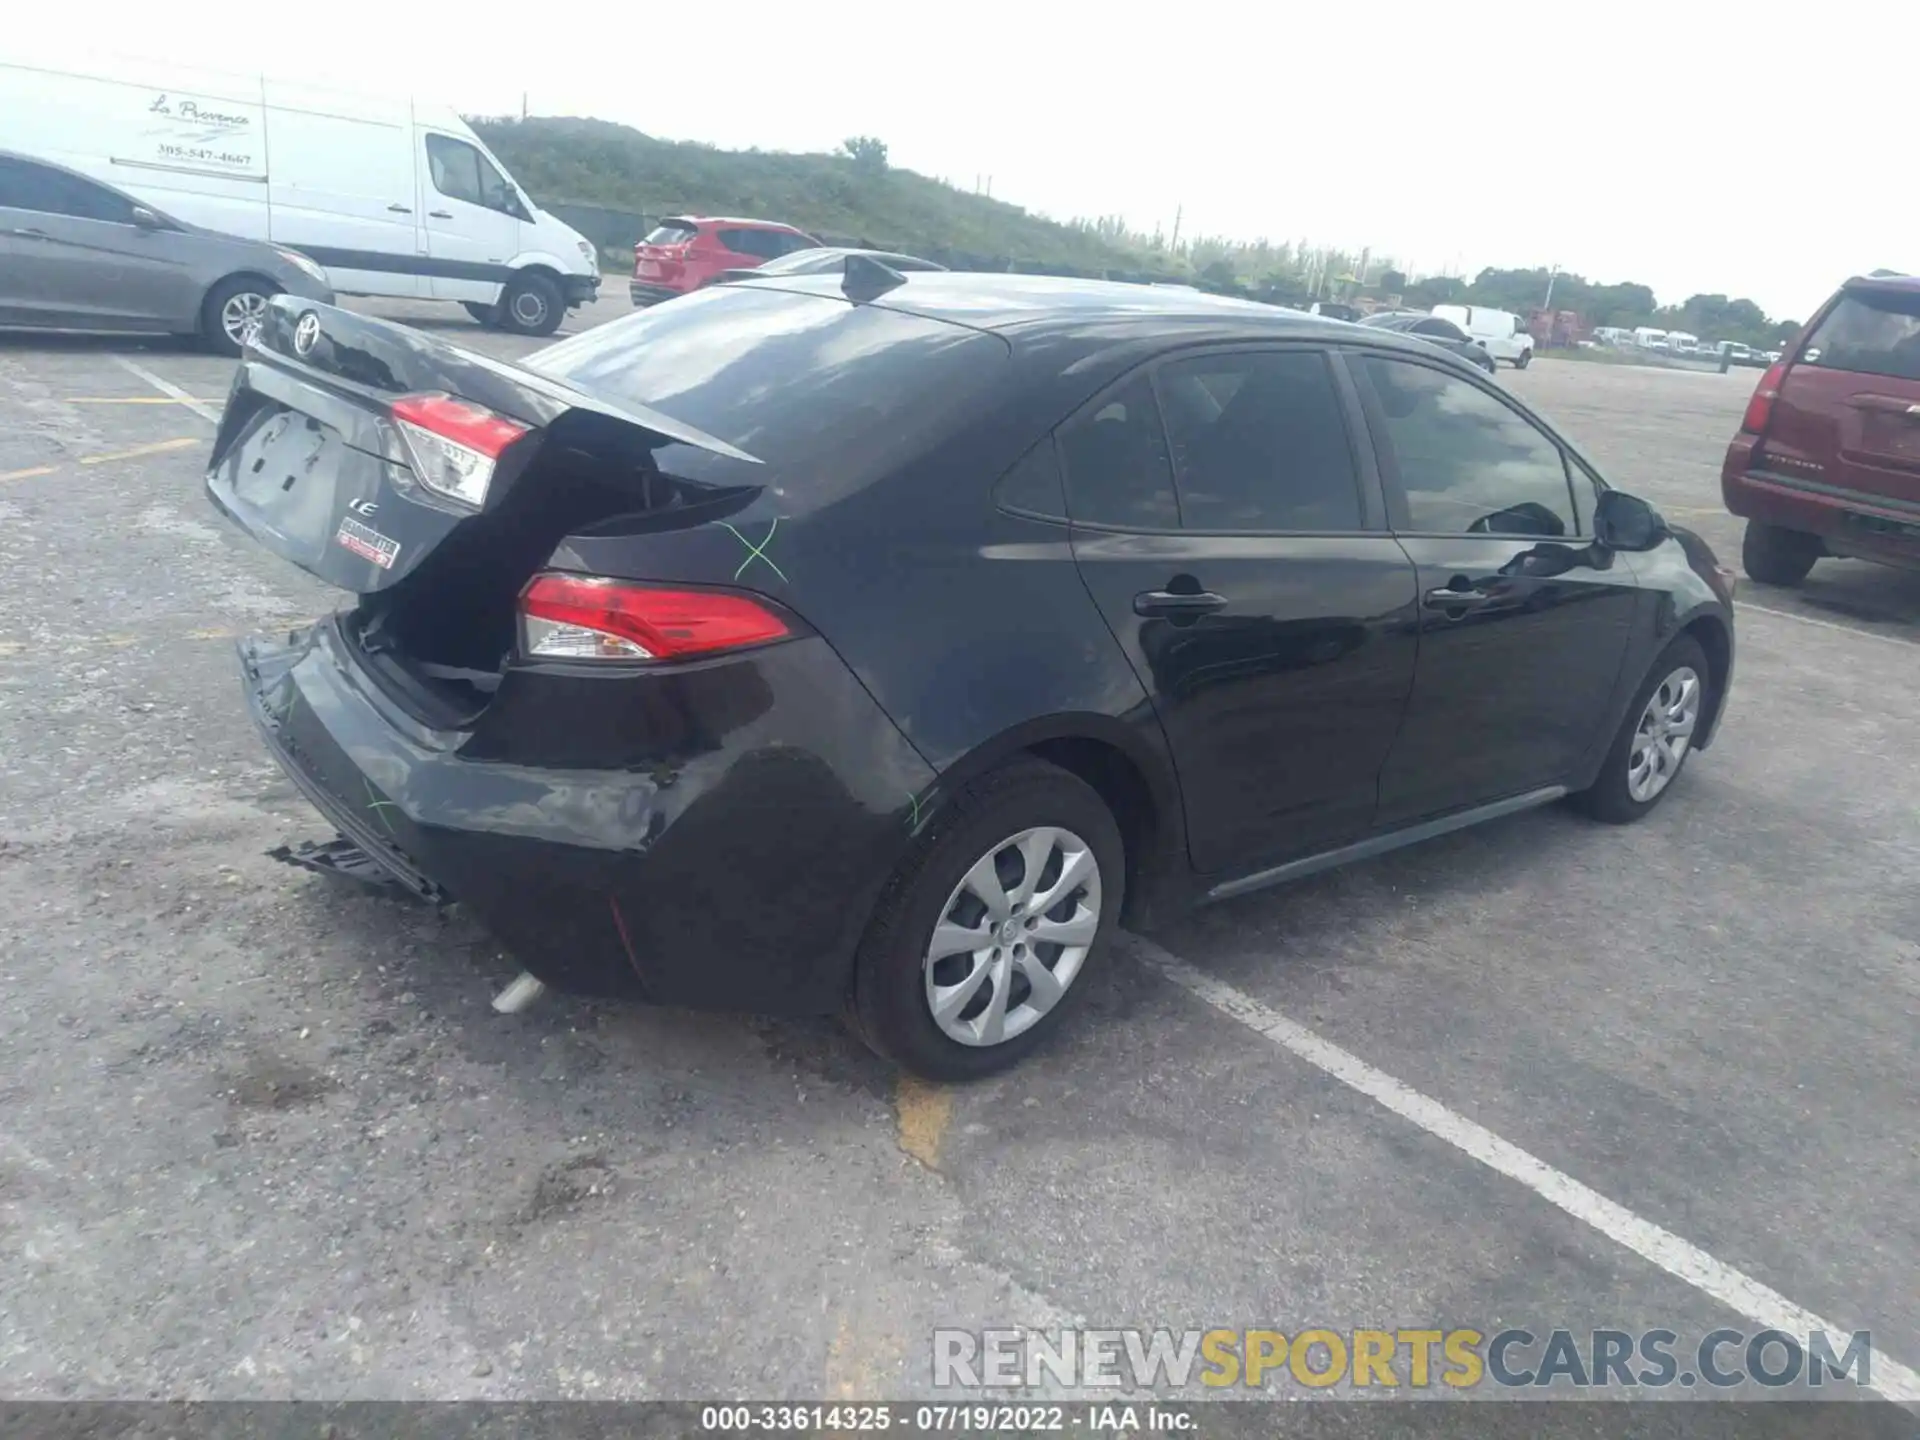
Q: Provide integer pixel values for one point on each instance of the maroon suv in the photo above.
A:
(1827, 461)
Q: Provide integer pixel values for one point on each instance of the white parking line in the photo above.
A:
(167, 388)
(1741, 607)
(1759, 1304)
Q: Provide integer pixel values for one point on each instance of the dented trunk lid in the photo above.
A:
(311, 461)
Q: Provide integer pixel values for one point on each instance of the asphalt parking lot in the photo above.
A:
(261, 1136)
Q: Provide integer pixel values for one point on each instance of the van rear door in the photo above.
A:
(341, 187)
(1848, 412)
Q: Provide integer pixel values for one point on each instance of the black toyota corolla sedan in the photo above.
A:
(880, 645)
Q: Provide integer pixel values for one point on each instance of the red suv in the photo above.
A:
(683, 252)
(1827, 461)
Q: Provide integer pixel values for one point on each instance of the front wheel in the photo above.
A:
(1655, 738)
(231, 314)
(531, 305)
(1523, 359)
(987, 930)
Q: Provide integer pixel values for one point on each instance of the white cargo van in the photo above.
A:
(393, 197)
(1503, 333)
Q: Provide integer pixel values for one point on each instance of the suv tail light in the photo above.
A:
(1760, 407)
(454, 445)
(582, 617)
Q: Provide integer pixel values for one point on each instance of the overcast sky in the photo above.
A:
(1753, 149)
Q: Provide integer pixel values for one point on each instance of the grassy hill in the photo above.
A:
(833, 196)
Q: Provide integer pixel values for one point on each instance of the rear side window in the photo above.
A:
(765, 244)
(1869, 333)
(670, 233)
(1116, 462)
(27, 186)
(1259, 443)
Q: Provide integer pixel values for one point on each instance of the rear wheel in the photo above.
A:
(487, 315)
(232, 312)
(987, 930)
(531, 305)
(1774, 556)
(1655, 738)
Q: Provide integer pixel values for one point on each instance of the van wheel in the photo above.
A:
(1524, 358)
(232, 312)
(531, 306)
(1774, 556)
(984, 936)
(487, 315)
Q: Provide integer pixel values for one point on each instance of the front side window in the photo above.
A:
(1259, 442)
(1467, 464)
(1115, 456)
(461, 172)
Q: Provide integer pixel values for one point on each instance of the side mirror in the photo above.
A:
(147, 219)
(1626, 522)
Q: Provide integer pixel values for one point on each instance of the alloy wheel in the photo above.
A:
(1013, 935)
(1661, 739)
(240, 317)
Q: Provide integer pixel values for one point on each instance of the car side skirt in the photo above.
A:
(1381, 844)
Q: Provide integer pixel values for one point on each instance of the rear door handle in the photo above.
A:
(28, 231)
(1174, 605)
(440, 214)
(401, 209)
(1456, 599)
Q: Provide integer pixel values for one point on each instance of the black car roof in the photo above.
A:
(1044, 303)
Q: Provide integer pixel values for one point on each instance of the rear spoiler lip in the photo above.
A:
(411, 361)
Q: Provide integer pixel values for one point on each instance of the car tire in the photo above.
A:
(225, 310)
(1641, 765)
(531, 305)
(1000, 824)
(1775, 556)
(1523, 359)
(487, 315)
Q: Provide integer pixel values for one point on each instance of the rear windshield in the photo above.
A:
(1870, 333)
(671, 233)
(824, 392)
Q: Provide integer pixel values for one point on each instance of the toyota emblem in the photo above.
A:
(306, 334)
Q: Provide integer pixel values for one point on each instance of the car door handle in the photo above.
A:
(440, 214)
(1175, 605)
(1456, 599)
(29, 231)
(401, 209)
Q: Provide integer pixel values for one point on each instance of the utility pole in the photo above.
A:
(1552, 274)
(523, 104)
(1174, 248)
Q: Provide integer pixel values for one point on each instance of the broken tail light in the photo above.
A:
(454, 445)
(580, 617)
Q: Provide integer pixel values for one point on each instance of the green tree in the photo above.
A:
(867, 152)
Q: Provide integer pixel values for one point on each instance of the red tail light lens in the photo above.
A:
(580, 617)
(454, 444)
(1760, 407)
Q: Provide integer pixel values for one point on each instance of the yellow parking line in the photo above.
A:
(924, 1111)
(29, 474)
(158, 447)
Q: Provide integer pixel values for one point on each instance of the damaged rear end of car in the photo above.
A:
(556, 695)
